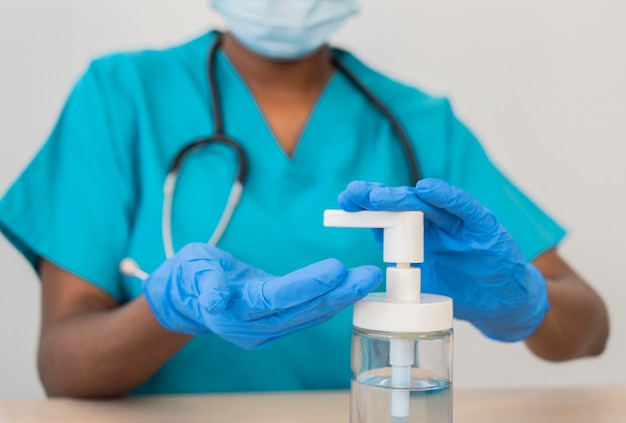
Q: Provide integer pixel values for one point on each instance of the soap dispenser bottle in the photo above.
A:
(402, 339)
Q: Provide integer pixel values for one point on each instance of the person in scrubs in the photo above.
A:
(267, 308)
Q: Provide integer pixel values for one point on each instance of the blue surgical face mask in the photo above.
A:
(284, 29)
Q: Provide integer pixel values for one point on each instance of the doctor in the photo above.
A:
(252, 312)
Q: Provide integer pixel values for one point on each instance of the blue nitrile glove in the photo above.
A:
(468, 256)
(203, 289)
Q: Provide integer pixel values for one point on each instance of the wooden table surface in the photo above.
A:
(605, 404)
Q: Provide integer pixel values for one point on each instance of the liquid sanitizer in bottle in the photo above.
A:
(402, 339)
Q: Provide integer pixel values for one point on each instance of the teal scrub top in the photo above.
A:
(93, 194)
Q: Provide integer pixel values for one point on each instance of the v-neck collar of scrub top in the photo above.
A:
(269, 135)
(237, 99)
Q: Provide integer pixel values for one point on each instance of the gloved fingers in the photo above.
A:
(262, 297)
(252, 334)
(179, 298)
(211, 275)
(457, 202)
(361, 195)
(405, 199)
(304, 284)
(235, 269)
(205, 280)
(356, 196)
(249, 338)
(395, 199)
(357, 283)
(201, 273)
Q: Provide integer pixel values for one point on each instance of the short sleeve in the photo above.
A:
(73, 203)
(470, 168)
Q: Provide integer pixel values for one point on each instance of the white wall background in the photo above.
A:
(542, 82)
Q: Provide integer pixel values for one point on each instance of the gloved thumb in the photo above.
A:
(457, 203)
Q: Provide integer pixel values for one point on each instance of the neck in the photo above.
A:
(309, 73)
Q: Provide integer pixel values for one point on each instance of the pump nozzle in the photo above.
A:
(403, 244)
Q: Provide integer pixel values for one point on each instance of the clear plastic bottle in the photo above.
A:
(423, 395)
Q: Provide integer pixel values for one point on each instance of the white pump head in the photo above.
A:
(403, 308)
(403, 231)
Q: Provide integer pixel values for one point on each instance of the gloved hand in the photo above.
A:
(204, 289)
(468, 256)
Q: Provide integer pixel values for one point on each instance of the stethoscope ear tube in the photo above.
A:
(242, 159)
(129, 267)
(227, 214)
(169, 186)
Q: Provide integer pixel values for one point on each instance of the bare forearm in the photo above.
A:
(105, 353)
(576, 325)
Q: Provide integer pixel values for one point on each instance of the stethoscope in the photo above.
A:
(129, 267)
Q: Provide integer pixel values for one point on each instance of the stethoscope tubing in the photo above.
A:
(409, 151)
